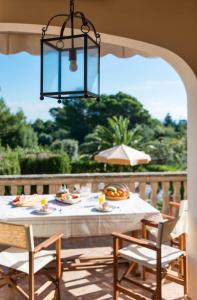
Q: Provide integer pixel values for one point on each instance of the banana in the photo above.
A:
(111, 188)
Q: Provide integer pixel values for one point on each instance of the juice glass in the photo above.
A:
(101, 199)
(43, 202)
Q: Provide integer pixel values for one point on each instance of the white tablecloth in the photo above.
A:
(81, 219)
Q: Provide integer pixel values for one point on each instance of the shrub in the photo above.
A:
(71, 147)
(45, 163)
(161, 168)
(45, 139)
(92, 166)
(57, 146)
(87, 166)
(27, 137)
(60, 134)
(9, 163)
(68, 146)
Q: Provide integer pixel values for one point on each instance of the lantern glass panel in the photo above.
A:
(72, 65)
(50, 68)
(93, 66)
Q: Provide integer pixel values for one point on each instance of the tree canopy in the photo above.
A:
(14, 129)
(81, 128)
(80, 117)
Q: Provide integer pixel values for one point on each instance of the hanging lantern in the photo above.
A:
(70, 65)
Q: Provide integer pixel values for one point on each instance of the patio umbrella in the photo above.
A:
(123, 155)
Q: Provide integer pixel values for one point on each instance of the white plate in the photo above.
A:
(49, 211)
(99, 208)
(66, 201)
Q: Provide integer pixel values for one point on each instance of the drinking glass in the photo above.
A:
(101, 199)
(85, 191)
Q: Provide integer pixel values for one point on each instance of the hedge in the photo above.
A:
(45, 163)
(91, 166)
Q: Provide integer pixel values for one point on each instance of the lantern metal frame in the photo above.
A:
(86, 27)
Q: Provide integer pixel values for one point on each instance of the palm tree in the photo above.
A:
(116, 133)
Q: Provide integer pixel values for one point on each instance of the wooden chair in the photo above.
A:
(23, 258)
(178, 235)
(156, 257)
(175, 209)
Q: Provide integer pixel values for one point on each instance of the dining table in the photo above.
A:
(82, 219)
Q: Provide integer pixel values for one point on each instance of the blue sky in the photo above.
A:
(154, 82)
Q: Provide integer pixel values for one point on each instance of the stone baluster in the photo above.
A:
(27, 189)
(154, 189)
(177, 194)
(94, 187)
(53, 189)
(2, 190)
(14, 190)
(39, 189)
(142, 187)
(185, 189)
(131, 186)
(166, 199)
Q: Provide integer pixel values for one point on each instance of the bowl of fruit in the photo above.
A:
(116, 191)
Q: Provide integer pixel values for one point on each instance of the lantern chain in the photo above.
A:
(72, 12)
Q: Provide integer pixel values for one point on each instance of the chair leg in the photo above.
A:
(31, 287)
(144, 277)
(115, 269)
(185, 275)
(182, 246)
(31, 276)
(159, 276)
(58, 269)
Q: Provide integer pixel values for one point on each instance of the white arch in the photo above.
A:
(190, 82)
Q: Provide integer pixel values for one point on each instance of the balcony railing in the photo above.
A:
(151, 186)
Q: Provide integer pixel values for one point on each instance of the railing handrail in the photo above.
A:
(89, 175)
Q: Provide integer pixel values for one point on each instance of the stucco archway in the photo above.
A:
(128, 47)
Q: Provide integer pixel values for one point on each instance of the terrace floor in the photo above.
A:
(89, 283)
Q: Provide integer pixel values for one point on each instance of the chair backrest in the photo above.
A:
(15, 235)
(164, 231)
(182, 224)
(183, 207)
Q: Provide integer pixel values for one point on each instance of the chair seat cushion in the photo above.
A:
(147, 257)
(18, 259)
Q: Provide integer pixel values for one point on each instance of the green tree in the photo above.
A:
(45, 139)
(80, 117)
(168, 121)
(27, 137)
(14, 130)
(38, 126)
(60, 134)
